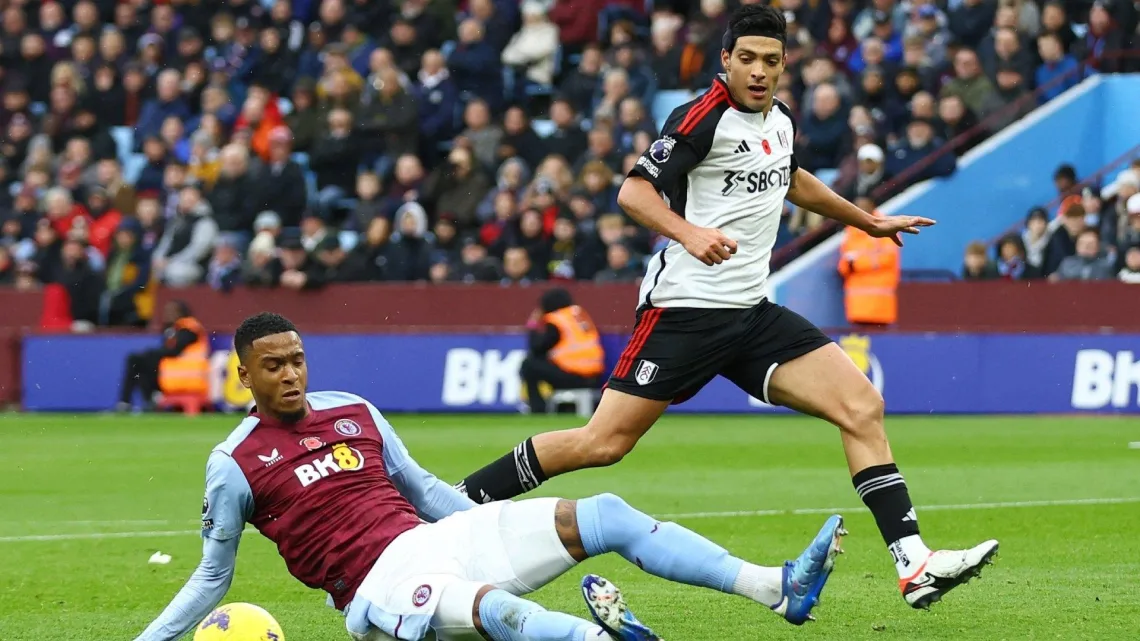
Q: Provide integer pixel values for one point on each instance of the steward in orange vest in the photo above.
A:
(180, 366)
(870, 269)
(565, 349)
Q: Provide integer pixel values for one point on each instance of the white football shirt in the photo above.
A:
(723, 166)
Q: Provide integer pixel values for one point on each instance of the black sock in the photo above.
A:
(883, 489)
(515, 473)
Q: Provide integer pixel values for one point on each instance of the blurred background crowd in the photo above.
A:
(278, 143)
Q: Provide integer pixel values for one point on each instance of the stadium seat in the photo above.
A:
(285, 106)
(348, 239)
(301, 158)
(666, 101)
(584, 400)
(124, 141)
(132, 167)
(543, 127)
(190, 404)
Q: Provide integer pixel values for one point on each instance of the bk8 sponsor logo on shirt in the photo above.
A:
(342, 458)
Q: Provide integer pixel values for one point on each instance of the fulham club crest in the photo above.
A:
(662, 149)
(783, 139)
(646, 372)
(347, 427)
(421, 596)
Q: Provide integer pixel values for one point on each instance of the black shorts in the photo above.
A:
(674, 352)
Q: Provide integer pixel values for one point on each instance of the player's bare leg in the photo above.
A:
(825, 383)
(606, 523)
(615, 428)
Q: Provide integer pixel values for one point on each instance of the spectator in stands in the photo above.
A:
(305, 119)
(80, 278)
(1129, 231)
(224, 270)
(1088, 263)
(294, 268)
(7, 267)
(476, 65)
(919, 144)
(971, 20)
(581, 85)
(531, 52)
(369, 204)
(1008, 51)
(971, 85)
(280, 186)
(456, 187)
(232, 199)
(128, 299)
(368, 261)
(482, 134)
(564, 349)
(1130, 273)
(1063, 241)
(1011, 87)
(104, 220)
(168, 102)
(1012, 263)
(956, 119)
(156, 155)
(566, 140)
(437, 97)
(334, 159)
(1059, 71)
(409, 252)
(977, 264)
(1103, 42)
(518, 269)
(475, 266)
(621, 265)
(187, 242)
(1035, 239)
(1065, 180)
(871, 171)
(388, 123)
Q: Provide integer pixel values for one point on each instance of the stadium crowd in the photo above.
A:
(1094, 234)
(267, 143)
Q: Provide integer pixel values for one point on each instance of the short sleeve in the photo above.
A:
(795, 130)
(228, 504)
(685, 141)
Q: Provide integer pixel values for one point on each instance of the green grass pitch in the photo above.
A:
(87, 500)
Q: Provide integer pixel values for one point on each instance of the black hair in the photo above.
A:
(755, 20)
(183, 308)
(259, 326)
(555, 299)
(1065, 171)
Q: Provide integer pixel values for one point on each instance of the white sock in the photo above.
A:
(761, 584)
(909, 553)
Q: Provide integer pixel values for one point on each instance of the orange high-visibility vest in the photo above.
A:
(579, 348)
(870, 269)
(189, 372)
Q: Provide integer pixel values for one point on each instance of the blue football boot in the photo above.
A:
(805, 577)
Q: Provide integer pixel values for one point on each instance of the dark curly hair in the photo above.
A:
(259, 326)
(755, 20)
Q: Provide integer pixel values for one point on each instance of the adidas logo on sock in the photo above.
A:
(742, 147)
(910, 515)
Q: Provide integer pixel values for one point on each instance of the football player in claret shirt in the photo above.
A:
(401, 553)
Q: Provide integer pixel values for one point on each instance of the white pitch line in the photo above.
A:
(921, 508)
(682, 515)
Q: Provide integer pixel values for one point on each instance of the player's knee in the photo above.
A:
(609, 451)
(863, 413)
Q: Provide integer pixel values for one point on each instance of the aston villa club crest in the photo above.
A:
(347, 427)
(783, 137)
(421, 596)
(662, 149)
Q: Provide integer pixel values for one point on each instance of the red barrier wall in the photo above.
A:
(1026, 306)
(383, 307)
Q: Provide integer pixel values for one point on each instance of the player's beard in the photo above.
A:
(293, 417)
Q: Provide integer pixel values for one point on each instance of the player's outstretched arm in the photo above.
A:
(809, 192)
(432, 498)
(201, 594)
(640, 199)
(225, 510)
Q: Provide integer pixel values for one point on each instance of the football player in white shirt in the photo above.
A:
(725, 165)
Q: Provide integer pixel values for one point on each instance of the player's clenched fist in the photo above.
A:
(708, 245)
